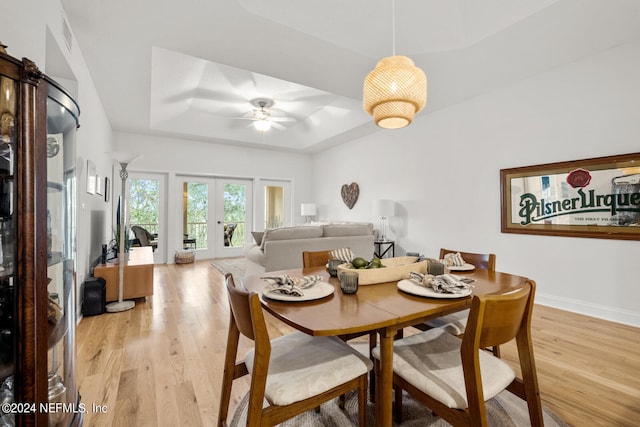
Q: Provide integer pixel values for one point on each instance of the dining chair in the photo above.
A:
(315, 258)
(454, 377)
(320, 259)
(456, 323)
(285, 371)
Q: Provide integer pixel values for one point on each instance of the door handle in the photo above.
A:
(219, 222)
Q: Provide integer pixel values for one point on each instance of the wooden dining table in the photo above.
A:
(378, 307)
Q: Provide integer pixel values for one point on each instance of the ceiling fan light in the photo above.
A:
(394, 92)
(262, 125)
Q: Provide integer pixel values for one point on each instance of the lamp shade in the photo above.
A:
(384, 208)
(125, 158)
(308, 209)
(394, 92)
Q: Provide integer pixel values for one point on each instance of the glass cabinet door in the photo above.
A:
(8, 331)
(38, 122)
(61, 253)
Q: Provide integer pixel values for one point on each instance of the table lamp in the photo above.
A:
(123, 160)
(383, 208)
(308, 210)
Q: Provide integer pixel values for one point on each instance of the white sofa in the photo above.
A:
(281, 248)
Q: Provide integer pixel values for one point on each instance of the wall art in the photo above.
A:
(350, 194)
(91, 177)
(597, 198)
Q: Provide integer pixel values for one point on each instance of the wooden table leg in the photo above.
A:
(384, 384)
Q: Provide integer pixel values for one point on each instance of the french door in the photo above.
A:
(213, 215)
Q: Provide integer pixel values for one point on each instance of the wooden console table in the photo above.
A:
(138, 275)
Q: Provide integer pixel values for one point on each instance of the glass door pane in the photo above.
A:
(8, 238)
(195, 215)
(146, 212)
(61, 253)
(234, 216)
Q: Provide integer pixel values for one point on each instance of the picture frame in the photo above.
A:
(91, 177)
(107, 189)
(99, 187)
(592, 198)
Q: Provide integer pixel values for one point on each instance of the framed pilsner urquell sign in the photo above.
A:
(597, 197)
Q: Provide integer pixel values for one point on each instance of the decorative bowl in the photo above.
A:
(395, 269)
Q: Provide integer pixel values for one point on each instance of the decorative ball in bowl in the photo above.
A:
(392, 270)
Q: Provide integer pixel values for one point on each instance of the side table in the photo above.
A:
(382, 248)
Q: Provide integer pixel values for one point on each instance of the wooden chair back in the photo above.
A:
(315, 258)
(494, 320)
(481, 261)
(247, 318)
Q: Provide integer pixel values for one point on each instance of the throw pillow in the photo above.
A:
(345, 254)
(257, 236)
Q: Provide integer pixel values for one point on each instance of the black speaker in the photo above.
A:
(94, 296)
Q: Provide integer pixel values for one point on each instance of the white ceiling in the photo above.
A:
(189, 68)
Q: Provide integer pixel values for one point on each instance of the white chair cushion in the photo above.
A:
(430, 361)
(454, 323)
(303, 366)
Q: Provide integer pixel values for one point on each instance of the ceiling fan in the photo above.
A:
(262, 120)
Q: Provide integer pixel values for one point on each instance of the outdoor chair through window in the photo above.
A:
(144, 237)
(228, 233)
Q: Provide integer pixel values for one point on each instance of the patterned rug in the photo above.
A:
(235, 266)
(505, 410)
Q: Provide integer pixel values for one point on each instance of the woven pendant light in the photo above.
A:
(395, 90)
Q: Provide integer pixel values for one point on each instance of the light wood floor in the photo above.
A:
(160, 364)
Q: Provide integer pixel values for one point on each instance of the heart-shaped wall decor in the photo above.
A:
(350, 194)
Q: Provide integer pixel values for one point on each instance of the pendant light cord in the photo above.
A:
(393, 25)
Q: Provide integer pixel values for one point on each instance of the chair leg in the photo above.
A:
(376, 369)
(373, 341)
(362, 401)
(496, 351)
(397, 405)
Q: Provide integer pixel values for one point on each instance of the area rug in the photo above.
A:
(505, 410)
(235, 266)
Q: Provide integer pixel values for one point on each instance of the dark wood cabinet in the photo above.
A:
(38, 190)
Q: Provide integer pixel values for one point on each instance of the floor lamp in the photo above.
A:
(120, 305)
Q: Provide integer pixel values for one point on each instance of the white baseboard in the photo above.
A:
(588, 309)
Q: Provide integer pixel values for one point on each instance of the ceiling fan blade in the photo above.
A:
(277, 125)
(201, 93)
(283, 119)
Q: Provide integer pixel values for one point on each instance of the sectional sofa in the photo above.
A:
(281, 248)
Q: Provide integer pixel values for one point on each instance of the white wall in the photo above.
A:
(443, 172)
